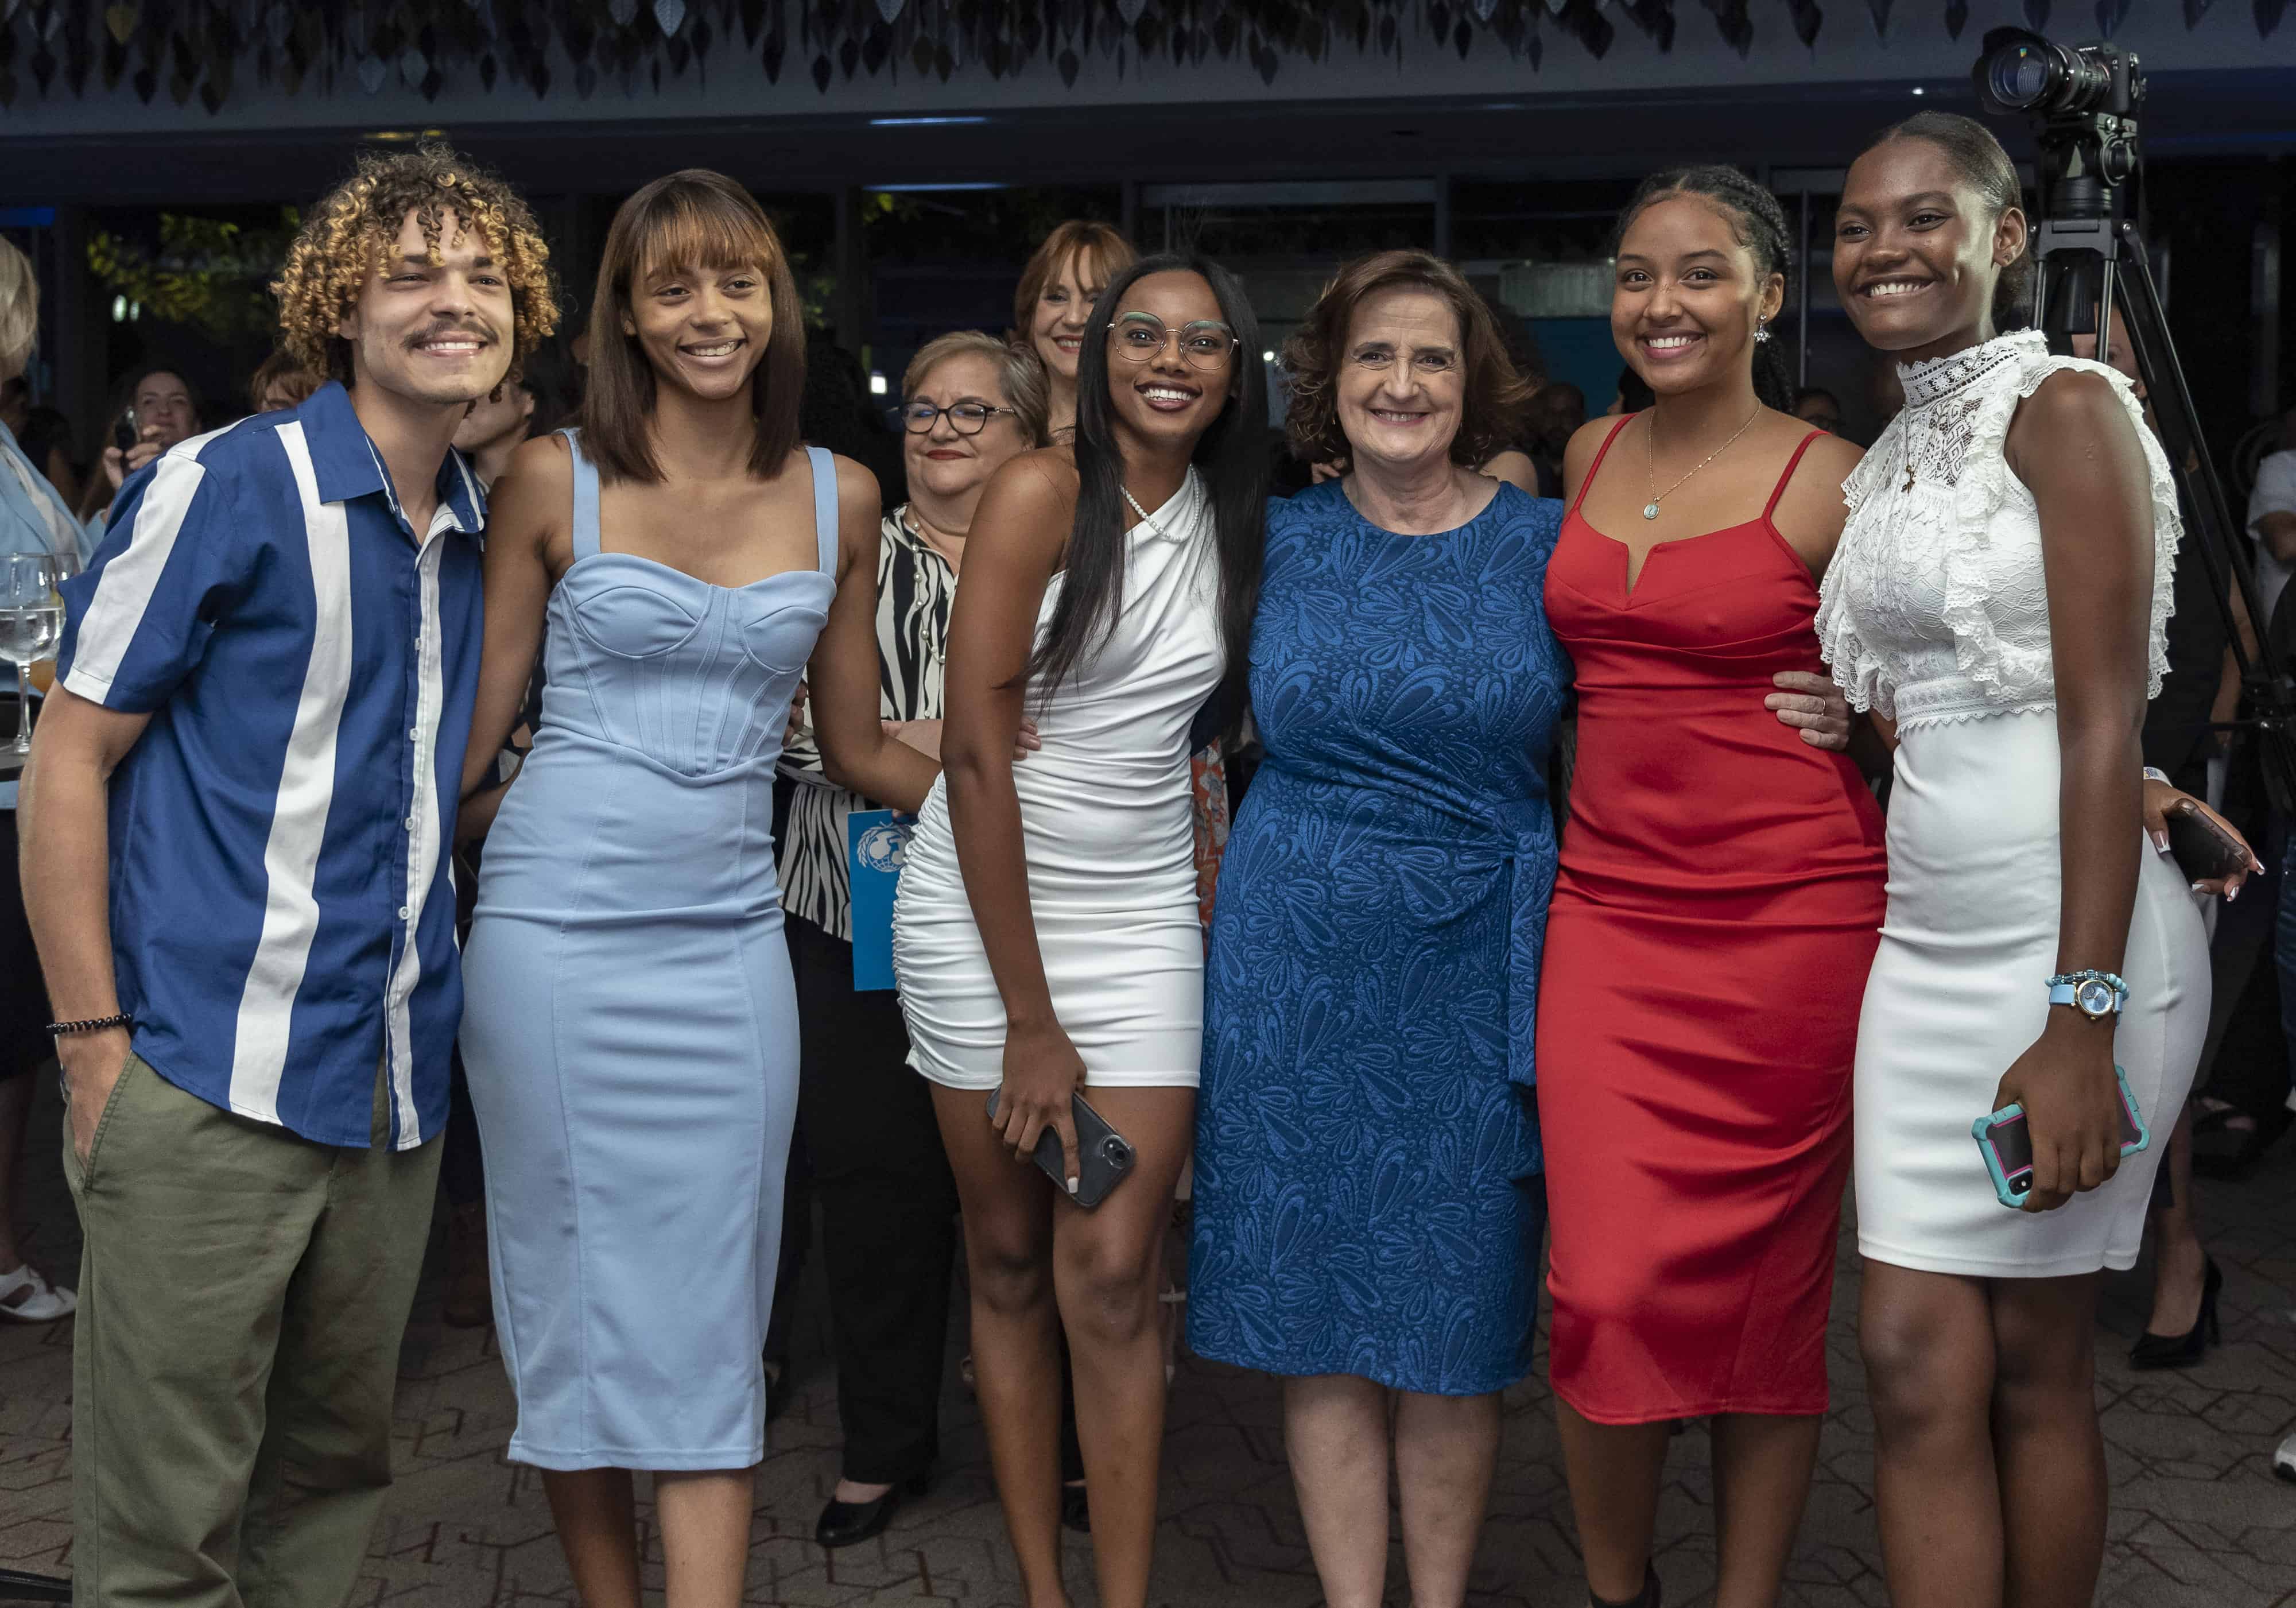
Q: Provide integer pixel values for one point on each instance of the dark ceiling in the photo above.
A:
(1544, 137)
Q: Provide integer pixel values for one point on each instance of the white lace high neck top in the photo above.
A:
(1934, 606)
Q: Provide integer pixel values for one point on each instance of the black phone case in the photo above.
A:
(2201, 851)
(1103, 1155)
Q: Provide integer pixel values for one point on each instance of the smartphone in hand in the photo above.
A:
(1103, 1155)
(2006, 1143)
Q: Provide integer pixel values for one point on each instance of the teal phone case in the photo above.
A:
(1982, 1130)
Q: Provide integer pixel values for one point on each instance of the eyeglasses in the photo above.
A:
(1140, 338)
(966, 418)
(1430, 365)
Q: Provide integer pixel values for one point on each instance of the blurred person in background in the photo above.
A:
(1054, 302)
(2272, 517)
(1635, 395)
(835, 411)
(42, 434)
(163, 410)
(1819, 409)
(280, 382)
(866, 1137)
(496, 424)
(1556, 413)
(33, 518)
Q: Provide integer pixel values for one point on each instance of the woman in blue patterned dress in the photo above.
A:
(1368, 1198)
(1368, 1203)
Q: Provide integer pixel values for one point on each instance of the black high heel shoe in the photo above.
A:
(2184, 1351)
(1649, 1597)
(849, 1524)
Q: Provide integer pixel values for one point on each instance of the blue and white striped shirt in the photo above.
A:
(283, 902)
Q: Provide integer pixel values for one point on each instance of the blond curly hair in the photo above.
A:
(347, 235)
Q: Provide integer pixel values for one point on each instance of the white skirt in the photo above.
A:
(1117, 925)
(1957, 994)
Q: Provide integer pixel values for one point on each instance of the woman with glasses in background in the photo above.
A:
(970, 405)
(1046, 935)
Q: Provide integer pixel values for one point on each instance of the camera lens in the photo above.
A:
(2020, 76)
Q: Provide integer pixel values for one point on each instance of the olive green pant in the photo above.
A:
(241, 1298)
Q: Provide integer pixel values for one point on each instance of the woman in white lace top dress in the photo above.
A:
(1999, 599)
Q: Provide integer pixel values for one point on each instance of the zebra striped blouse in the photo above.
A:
(915, 585)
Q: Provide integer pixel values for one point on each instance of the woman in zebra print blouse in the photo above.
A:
(865, 1122)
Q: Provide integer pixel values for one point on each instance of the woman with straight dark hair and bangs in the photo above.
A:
(1046, 935)
(630, 1027)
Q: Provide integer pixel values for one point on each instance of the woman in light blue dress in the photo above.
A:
(630, 1027)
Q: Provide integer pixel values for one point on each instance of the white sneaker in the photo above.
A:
(2283, 1461)
(27, 1297)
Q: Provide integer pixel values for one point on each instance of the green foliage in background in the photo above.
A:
(211, 274)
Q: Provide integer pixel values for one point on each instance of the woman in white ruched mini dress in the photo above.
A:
(1105, 806)
(1935, 613)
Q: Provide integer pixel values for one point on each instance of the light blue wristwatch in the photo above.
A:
(2096, 995)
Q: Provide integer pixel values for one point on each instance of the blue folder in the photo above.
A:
(877, 843)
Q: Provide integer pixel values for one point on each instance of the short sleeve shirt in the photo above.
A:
(282, 897)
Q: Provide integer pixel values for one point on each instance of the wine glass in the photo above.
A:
(31, 623)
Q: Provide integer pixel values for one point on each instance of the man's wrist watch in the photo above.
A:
(2096, 995)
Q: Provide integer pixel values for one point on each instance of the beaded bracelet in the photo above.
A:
(94, 1024)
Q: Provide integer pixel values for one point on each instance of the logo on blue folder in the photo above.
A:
(884, 847)
(877, 844)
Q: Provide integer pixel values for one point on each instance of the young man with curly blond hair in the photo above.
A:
(236, 827)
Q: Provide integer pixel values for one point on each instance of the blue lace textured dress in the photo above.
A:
(1367, 1197)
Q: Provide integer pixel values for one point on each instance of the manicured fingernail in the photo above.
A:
(2161, 842)
(2200, 887)
(1072, 1185)
(2232, 892)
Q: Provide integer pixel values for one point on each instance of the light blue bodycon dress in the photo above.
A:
(631, 1026)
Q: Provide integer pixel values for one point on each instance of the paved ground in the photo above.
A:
(2196, 1520)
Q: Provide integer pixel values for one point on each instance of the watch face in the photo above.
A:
(2093, 997)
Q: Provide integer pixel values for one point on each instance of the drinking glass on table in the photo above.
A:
(31, 623)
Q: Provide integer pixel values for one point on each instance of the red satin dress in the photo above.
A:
(1719, 903)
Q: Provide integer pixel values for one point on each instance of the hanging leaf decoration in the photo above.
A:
(225, 50)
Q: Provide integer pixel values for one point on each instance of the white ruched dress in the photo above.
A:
(1105, 814)
(1934, 612)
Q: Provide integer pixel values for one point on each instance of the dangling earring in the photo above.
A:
(1761, 332)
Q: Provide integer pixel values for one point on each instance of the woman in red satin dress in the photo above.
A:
(1717, 906)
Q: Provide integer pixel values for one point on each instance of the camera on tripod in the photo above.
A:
(2082, 101)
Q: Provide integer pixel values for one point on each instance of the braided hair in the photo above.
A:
(1757, 223)
(1978, 161)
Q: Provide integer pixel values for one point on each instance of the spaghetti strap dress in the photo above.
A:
(630, 1028)
(1716, 909)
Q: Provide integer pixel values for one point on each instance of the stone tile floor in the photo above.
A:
(2197, 1519)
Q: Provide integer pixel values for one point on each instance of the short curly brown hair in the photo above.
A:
(1491, 413)
(345, 236)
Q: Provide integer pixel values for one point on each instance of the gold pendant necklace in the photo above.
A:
(1650, 443)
